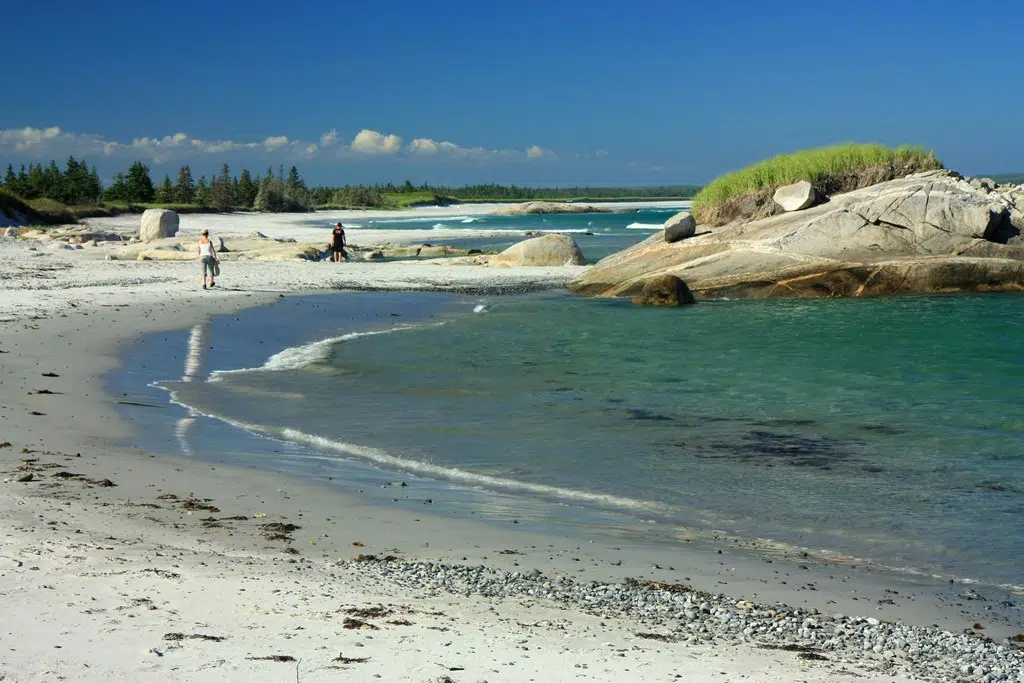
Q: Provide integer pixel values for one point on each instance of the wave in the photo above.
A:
(297, 357)
(390, 460)
(644, 226)
(426, 219)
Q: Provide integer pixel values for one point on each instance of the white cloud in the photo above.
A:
(53, 142)
(536, 152)
(329, 138)
(371, 142)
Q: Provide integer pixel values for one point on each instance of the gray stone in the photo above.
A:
(933, 233)
(665, 290)
(158, 224)
(796, 197)
(680, 226)
(549, 250)
(10, 232)
(27, 477)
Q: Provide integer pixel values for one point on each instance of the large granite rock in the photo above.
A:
(665, 290)
(549, 250)
(158, 224)
(796, 197)
(929, 232)
(680, 227)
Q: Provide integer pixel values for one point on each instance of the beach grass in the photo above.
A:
(832, 169)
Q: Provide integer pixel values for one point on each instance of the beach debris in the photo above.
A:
(46, 392)
(193, 636)
(659, 585)
(358, 544)
(50, 374)
(278, 531)
(26, 477)
(374, 558)
(5, 444)
(657, 636)
(352, 623)
(400, 622)
(102, 483)
(162, 573)
(370, 612)
(342, 659)
(199, 504)
(64, 474)
(260, 515)
(167, 496)
(36, 412)
(273, 658)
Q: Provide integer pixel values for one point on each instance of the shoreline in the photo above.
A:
(118, 533)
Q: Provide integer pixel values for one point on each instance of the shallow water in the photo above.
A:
(886, 429)
(597, 234)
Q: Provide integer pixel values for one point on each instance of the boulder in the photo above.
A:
(11, 232)
(665, 290)
(549, 250)
(796, 197)
(925, 233)
(373, 256)
(158, 224)
(680, 226)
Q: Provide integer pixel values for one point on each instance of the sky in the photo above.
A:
(529, 92)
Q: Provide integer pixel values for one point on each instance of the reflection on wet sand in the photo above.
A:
(194, 359)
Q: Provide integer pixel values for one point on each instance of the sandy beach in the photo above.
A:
(128, 565)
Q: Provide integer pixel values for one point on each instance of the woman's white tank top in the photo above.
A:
(205, 249)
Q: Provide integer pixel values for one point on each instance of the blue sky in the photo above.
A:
(528, 92)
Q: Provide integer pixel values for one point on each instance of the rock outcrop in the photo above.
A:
(158, 224)
(549, 250)
(528, 208)
(680, 227)
(928, 232)
(665, 290)
(796, 197)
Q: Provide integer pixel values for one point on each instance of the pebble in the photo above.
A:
(893, 649)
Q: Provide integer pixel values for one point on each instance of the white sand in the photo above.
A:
(93, 578)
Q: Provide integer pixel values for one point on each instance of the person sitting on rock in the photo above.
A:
(338, 244)
(209, 258)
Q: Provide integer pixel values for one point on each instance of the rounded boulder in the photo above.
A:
(549, 250)
(680, 226)
(158, 224)
(665, 290)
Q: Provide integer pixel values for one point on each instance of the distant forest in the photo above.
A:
(77, 185)
(1002, 178)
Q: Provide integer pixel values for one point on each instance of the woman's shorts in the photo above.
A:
(208, 264)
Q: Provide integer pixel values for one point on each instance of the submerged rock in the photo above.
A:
(928, 232)
(665, 290)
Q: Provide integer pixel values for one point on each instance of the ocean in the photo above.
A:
(887, 431)
(597, 234)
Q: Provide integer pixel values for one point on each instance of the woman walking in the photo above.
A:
(208, 255)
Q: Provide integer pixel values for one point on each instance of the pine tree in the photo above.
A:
(295, 182)
(184, 188)
(247, 190)
(95, 186)
(11, 180)
(165, 192)
(118, 191)
(138, 183)
(221, 192)
(202, 193)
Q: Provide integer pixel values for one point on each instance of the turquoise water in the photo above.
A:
(598, 234)
(885, 429)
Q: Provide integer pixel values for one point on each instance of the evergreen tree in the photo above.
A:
(202, 194)
(138, 183)
(184, 188)
(295, 182)
(118, 191)
(165, 192)
(247, 190)
(95, 186)
(11, 180)
(221, 191)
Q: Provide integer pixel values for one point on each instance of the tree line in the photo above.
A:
(78, 184)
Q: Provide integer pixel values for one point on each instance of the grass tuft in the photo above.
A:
(837, 168)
